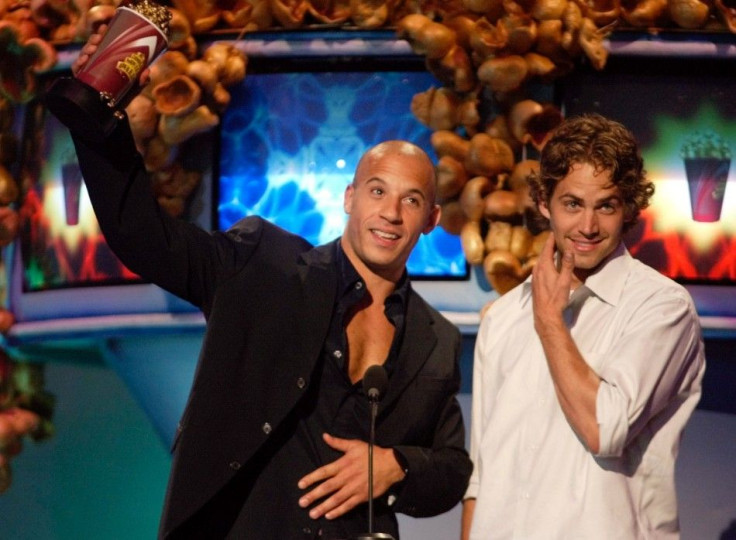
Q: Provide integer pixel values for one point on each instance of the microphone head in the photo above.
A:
(375, 381)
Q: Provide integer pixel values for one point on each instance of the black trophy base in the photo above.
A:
(372, 536)
(81, 109)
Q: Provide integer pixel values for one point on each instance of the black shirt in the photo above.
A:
(264, 497)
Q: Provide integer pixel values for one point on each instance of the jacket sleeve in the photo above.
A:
(438, 475)
(172, 253)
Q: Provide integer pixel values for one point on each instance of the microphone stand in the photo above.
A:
(373, 397)
(374, 413)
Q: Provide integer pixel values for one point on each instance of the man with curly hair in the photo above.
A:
(586, 374)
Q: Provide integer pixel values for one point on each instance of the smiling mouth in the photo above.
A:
(585, 245)
(385, 235)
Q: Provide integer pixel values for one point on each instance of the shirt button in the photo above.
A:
(301, 383)
(337, 353)
(359, 285)
(234, 465)
(266, 428)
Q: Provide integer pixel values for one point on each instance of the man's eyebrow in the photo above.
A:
(609, 198)
(570, 197)
(419, 192)
(411, 191)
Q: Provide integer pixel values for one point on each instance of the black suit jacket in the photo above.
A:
(268, 296)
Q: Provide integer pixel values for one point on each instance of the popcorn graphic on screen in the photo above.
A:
(707, 159)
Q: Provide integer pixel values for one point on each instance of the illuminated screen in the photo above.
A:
(683, 114)
(291, 142)
(60, 240)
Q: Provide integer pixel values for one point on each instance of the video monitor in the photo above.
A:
(683, 114)
(62, 267)
(292, 136)
(60, 241)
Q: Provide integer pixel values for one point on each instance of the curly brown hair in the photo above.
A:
(603, 143)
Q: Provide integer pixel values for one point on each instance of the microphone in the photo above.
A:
(375, 382)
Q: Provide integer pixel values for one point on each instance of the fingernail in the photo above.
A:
(303, 502)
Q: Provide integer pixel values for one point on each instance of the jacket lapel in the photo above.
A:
(418, 343)
(317, 273)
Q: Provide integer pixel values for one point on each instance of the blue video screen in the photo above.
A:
(290, 143)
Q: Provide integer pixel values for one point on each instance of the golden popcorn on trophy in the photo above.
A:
(91, 102)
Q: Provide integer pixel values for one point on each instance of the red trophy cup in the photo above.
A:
(91, 103)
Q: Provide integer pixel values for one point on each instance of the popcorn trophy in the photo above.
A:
(707, 158)
(91, 103)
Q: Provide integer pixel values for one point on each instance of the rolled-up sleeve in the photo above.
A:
(650, 367)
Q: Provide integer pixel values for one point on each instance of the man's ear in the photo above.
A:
(433, 219)
(347, 202)
(543, 209)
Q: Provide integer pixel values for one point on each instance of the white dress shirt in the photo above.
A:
(533, 478)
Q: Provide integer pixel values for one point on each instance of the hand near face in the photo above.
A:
(551, 286)
(343, 484)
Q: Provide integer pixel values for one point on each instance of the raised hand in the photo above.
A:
(551, 285)
(89, 49)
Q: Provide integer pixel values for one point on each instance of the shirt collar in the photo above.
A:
(348, 276)
(607, 283)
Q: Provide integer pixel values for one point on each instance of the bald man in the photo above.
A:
(272, 442)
